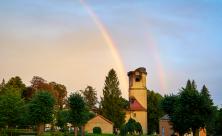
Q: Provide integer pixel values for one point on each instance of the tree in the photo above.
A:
(90, 97)
(131, 127)
(2, 84)
(218, 122)
(41, 110)
(208, 110)
(154, 111)
(11, 106)
(37, 82)
(61, 93)
(28, 93)
(16, 82)
(168, 104)
(111, 103)
(63, 119)
(78, 111)
(191, 109)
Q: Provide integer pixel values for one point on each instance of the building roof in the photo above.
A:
(165, 117)
(110, 122)
(136, 106)
(140, 69)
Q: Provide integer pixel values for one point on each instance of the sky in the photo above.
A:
(76, 42)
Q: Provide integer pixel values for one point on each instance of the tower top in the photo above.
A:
(140, 70)
(137, 78)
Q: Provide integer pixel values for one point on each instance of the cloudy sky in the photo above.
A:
(60, 40)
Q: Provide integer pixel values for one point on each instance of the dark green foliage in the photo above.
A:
(24, 121)
(154, 111)
(209, 110)
(79, 113)
(2, 85)
(168, 104)
(111, 102)
(125, 103)
(218, 122)
(11, 107)
(97, 130)
(90, 97)
(62, 119)
(123, 130)
(131, 127)
(16, 82)
(41, 108)
(190, 110)
(138, 128)
(190, 107)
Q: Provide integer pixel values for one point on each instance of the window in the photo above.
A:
(134, 115)
(137, 79)
(163, 131)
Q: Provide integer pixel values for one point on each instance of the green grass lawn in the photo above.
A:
(61, 134)
(23, 132)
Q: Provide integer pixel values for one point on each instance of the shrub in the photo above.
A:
(97, 130)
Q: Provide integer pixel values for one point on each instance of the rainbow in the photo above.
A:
(160, 69)
(110, 43)
(112, 46)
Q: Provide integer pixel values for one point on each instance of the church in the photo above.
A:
(138, 97)
(137, 108)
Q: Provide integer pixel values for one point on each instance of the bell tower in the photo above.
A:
(138, 96)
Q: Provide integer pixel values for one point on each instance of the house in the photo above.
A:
(166, 128)
(99, 121)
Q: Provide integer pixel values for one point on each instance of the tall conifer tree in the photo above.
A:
(112, 107)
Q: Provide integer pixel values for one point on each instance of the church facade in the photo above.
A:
(138, 97)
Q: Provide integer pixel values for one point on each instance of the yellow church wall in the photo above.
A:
(140, 84)
(98, 121)
(140, 95)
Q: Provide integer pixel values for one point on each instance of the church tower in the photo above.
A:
(138, 97)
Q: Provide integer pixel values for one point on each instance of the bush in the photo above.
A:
(131, 127)
(97, 130)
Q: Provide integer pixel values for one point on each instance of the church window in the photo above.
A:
(134, 115)
(137, 79)
(137, 76)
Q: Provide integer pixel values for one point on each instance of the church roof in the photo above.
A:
(136, 106)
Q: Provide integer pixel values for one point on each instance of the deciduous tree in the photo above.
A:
(41, 110)
(154, 111)
(79, 113)
(11, 107)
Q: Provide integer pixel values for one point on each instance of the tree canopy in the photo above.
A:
(41, 109)
(11, 106)
(111, 102)
(190, 109)
(154, 111)
(79, 113)
(90, 97)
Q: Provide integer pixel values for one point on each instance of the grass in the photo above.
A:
(24, 132)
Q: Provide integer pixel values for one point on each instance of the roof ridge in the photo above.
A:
(104, 118)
